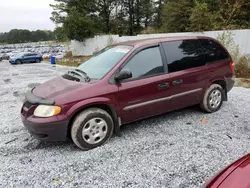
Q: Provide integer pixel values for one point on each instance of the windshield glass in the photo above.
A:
(102, 62)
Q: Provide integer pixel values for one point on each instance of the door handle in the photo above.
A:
(163, 85)
(177, 82)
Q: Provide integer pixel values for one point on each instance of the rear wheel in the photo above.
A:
(213, 98)
(91, 128)
(38, 61)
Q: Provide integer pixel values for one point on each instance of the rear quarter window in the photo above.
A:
(212, 51)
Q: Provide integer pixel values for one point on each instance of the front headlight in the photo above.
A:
(47, 111)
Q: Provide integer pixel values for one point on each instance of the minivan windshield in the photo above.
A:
(102, 62)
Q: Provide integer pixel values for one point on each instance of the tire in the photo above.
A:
(96, 123)
(18, 62)
(213, 98)
(38, 61)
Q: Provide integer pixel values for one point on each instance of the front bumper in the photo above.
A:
(49, 129)
(54, 131)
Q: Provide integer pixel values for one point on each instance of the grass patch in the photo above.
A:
(242, 82)
(66, 63)
(70, 60)
(242, 72)
(242, 69)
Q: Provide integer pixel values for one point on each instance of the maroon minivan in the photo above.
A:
(126, 82)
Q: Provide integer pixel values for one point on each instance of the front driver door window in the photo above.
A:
(25, 58)
(147, 92)
(146, 63)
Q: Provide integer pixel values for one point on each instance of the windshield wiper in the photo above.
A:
(80, 74)
(85, 74)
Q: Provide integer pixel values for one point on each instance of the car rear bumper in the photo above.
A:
(230, 83)
(54, 131)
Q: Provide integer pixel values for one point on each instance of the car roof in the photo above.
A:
(142, 42)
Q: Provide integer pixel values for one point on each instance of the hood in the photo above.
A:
(57, 87)
(239, 177)
(13, 57)
(234, 176)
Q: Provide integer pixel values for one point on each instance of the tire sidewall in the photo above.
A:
(222, 98)
(81, 120)
(18, 62)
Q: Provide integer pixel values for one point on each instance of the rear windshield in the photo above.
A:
(103, 62)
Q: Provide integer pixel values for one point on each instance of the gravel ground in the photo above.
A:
(172, 150)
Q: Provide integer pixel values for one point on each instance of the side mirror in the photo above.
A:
(124, 74)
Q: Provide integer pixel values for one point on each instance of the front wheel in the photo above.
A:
(38, 60)
(92, 128)
(18, 62)
(213, 98)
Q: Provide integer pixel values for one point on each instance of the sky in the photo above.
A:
(25, 14)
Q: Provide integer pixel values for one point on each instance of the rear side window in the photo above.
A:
(212, 51)
(183, 54)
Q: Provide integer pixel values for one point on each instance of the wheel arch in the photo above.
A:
(223, 84)
(110, 110)
(18, 60)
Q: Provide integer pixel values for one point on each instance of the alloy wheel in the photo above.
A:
(94, 131)
(215, 98)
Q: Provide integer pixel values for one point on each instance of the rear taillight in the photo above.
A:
(231, 65)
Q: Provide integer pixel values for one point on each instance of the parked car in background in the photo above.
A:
(26, 58)
(4, 56)
(46, 56)
(59, 55)
(236, 175)
(126, 82)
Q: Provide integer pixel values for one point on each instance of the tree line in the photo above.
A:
(84, 18)
(24, 35)
(80, 19)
